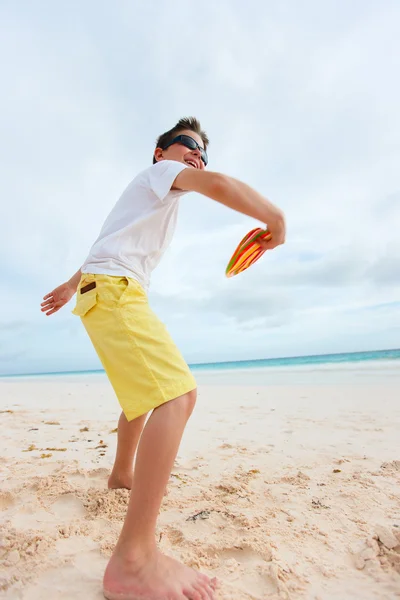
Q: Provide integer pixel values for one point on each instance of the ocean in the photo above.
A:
(350, 367)
(294, 361)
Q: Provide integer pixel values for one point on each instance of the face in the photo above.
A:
(182, 154)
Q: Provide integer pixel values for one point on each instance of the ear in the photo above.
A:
(158, 153)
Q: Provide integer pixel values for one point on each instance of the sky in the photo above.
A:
(299, 99)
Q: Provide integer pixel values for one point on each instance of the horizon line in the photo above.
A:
(219, 362)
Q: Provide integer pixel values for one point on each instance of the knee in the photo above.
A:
(186, 403)
(191, 398)
(181, 407)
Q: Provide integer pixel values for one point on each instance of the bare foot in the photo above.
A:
(116, 481)
(157, 577)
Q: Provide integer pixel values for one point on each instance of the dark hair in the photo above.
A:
(187, 123)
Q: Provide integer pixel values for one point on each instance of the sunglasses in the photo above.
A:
(190, 143)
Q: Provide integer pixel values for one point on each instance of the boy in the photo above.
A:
(142, 363)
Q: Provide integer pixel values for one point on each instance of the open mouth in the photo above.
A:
(192, 163)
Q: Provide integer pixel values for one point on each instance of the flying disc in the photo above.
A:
(247, 252)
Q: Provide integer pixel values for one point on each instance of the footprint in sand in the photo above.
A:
(245, 555)
(79, 580)
(100, 473)
(31, 517)
(191, 465)
(76, 544)
(68, 506)
(252, 572)
(76, 478)
(96, 478)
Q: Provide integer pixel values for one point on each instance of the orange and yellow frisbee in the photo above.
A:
(248, 252)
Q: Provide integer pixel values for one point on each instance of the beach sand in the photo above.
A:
(282, 492)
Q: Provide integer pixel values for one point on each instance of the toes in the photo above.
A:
(202, 589)
(192, 594)
(205, 591)
(206, 587)
(211, 582)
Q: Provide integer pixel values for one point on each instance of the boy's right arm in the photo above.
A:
(236, 195)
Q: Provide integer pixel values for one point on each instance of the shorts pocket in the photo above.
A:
(85, 300)
(110, 290)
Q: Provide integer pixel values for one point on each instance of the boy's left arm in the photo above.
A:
(62, 294)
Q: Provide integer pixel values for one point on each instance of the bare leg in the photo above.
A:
(128, 438)
(137, 570)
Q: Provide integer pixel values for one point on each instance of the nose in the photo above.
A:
(197, 154)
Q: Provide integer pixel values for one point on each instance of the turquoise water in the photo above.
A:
(320, 359)
(347, 358)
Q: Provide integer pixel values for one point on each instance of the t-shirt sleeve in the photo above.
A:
(162, 175)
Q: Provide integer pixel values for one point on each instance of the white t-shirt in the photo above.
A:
(140, 227)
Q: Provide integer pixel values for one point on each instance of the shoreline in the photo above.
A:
(348, 373)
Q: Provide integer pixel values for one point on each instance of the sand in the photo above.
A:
(282, 492)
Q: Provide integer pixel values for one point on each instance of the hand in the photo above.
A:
(278, 234)
(56, 299)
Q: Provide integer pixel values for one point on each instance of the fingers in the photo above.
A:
(47, 309)
(267, 245)
(47, 303)
(48, 296)
(52, 310)
(50, 306)
(270, 244)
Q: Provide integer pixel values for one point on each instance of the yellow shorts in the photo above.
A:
(139, 357)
